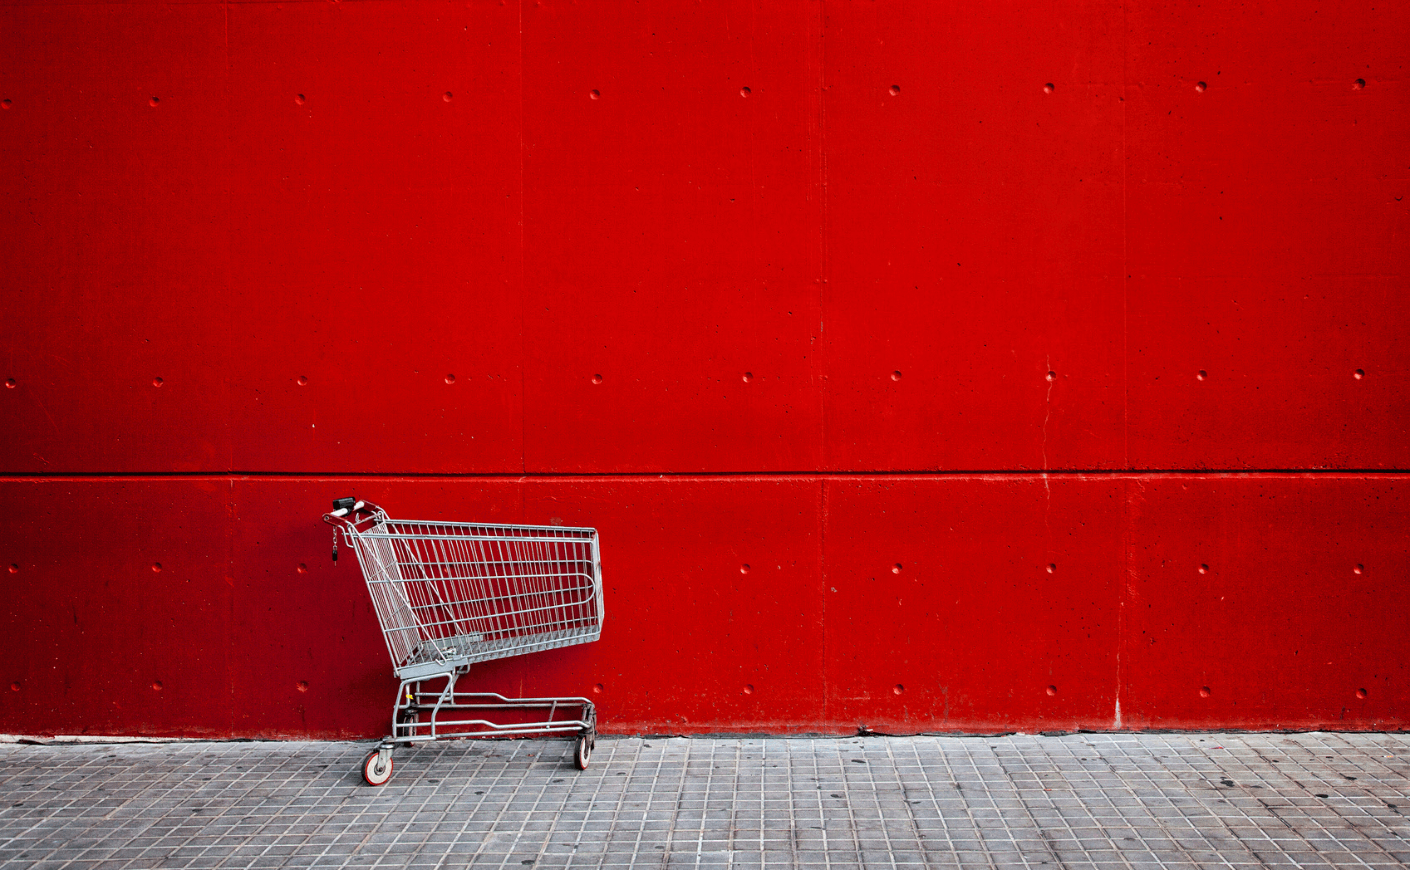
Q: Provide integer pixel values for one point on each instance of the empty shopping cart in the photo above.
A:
(451, 594)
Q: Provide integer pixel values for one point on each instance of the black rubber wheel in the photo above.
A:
(582, 753)
(375, 773)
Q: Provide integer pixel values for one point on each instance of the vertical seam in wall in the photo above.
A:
(523, 279)
(230, 688)
(814, 121)
(1127, 521)
(818, 368)
(229, 212)
(822, 591)
(753, 129)
(822, 232)
(231, 524)
(1125, 259)
(1123, 578)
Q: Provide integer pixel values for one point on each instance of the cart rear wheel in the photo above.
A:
(376, 771)
(583, 752)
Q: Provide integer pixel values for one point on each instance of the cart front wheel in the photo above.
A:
(375, 770)
(583, 752)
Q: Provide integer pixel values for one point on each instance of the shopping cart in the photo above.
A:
(451, 594)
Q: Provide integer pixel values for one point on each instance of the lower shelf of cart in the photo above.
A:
(462, 715)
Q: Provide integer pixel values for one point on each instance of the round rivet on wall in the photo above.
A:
(153, 101)
(15, 686)
(895, 376)
(894, 90)
(597, 689)
(597, 379)
(1359, 374)
(4, 104)
(156, 567)
(298, 99)
(1204, 691)
(157, 382)
(447, 96)
(1052, 691)
(10, 383)
(897, 689)
(1051, 376)
(1361, 693)
(744, 569)
(303, 568)
(303, 685)
(1201, 375)
(1358, 84)
(749, 689)
(14, 569)
(1204, 569)
(896, 569)
(450, 379)
(1200, 87)
(156, 685)
(748, 376)
(1052, 567)
(1358, 569)
(744, 92)
(594, 93)
(1048, 88)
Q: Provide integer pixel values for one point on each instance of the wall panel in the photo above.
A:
(1266, 185)
(973, 230)
(672, 253)
(113, 201)
(117, 607)
(972, 604)
(376, 248)
(1266, 602)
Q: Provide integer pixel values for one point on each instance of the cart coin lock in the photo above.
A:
(451, 594)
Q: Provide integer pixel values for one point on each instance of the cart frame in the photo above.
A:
(448, 595)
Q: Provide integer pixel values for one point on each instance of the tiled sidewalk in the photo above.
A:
(1104, 800)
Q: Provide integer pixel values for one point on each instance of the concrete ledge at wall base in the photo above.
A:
(88, 739)
(35, 740)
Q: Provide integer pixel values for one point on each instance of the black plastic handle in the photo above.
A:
(344, 506)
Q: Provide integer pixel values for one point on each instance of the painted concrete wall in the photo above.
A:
(924, 367)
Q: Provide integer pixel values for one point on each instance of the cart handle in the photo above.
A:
(345, 508)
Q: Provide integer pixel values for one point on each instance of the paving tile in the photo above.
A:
(1098, 800)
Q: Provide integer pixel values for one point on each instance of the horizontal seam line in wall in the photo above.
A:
(700, 475)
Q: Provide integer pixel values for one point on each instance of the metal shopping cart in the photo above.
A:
(451, 594)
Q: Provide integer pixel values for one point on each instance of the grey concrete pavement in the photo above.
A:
(1083, 800)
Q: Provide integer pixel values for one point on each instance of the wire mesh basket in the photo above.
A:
(448, 595)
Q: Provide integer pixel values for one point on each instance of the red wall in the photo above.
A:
(823, 290)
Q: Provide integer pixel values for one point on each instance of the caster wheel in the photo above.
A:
(375, 771)
(583, 751)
